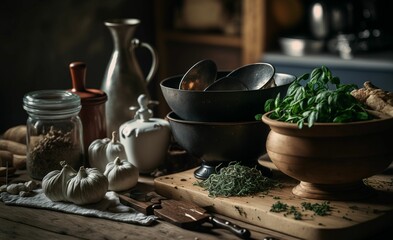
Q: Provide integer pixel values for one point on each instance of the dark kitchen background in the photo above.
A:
(39, 39)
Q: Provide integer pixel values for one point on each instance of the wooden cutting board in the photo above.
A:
(347, 220)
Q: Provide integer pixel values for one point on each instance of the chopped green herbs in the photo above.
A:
(236, 180)
(296, 214)
(320, 209)
(279, 207)
(283, 207)
(321, 99)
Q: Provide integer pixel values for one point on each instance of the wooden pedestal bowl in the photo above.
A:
(331, 159)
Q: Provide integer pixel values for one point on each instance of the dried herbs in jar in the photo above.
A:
(54, 131)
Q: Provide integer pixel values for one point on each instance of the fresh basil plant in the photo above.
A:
(321, 98)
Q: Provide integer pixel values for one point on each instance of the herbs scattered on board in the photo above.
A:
(320, 209)
(289, 210)
(322, 99)
(279, 207)
(236, 180)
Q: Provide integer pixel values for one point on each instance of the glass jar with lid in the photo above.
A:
(54, 131)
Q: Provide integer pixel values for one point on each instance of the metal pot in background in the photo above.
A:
(342, 17)
(365, 29)
(328, 18)
(301, 45)
(319, 20)
(343, 27)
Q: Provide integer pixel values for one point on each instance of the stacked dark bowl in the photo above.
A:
(219, 126)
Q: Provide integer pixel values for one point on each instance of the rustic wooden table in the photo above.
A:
(29, 223)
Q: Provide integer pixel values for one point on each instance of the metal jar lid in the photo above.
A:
(51, 104)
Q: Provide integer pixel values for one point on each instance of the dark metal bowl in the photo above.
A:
(226, 106)
(220, 142)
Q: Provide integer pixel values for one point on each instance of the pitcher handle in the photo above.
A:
(154, 64)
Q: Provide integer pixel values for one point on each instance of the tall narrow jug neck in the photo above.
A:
(122, 31)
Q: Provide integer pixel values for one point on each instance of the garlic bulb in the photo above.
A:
(103, 151)
(53, 182)
(121, 174)
(88, 186)
(83, 187)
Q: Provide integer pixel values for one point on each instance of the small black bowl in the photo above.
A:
(219, 143)
(218, 106)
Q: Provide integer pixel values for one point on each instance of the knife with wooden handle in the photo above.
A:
(181, 213)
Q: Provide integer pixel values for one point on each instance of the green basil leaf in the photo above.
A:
(362, 116)
(277, 101)
(300, 124)
(269, 105)
(311, 119)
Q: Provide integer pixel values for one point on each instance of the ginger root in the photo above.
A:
(16, 134)
(376, 99)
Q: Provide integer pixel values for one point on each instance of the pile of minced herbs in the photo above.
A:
(237, 180)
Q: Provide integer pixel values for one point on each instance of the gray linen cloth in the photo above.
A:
(109, 207)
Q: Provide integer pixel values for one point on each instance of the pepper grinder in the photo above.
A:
(93, 101)
(145, 139)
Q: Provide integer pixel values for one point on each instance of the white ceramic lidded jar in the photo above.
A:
(145, 139)
(54, 131)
